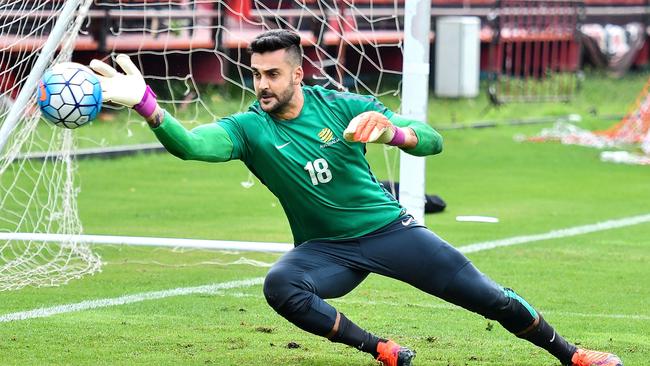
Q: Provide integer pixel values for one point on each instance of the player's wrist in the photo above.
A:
(148, 103)
(156, 118)
(399, 137)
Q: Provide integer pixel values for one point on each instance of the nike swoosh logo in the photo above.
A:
(281, 146)
(407, 222)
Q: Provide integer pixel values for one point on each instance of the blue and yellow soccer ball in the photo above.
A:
(69, 95)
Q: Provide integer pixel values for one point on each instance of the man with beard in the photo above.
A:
(307, 145)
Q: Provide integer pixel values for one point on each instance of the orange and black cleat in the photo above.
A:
(392, 354)
(585, 357)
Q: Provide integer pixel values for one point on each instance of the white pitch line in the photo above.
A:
(556, 234)
(471, 248)
(128, 299)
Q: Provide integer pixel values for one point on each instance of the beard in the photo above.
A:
(275, 103)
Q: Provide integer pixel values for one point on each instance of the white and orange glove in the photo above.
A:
(374, 127)
(128, 89)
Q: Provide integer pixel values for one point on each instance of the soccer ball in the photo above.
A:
(69, 95)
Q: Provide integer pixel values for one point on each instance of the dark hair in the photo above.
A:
(278, 39)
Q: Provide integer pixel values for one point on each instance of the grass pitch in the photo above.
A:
(593, 288)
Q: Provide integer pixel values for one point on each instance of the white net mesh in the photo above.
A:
(182, 46)
(193, 54)
(36, 196)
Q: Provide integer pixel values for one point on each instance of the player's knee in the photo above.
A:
(282, 292)
(514, 313)
(277, 288)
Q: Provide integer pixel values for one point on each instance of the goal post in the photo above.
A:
(415, 92)
(193, 54)
(37, 196)
(45, 55)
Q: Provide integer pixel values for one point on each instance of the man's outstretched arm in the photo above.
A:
(208, 142)
(413, 137)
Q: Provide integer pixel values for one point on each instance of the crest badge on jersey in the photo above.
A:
(327, 137)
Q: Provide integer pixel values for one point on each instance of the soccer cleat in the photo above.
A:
(585, 357)
(392, 354)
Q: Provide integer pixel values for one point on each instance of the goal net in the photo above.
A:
(631, 134)
(36, 196)
(193, 54)
(182, 46)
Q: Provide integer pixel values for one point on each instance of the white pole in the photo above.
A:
(415, 94)
(149, 241)
(43, 60)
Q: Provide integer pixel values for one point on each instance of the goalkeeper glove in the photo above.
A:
(128, 89)
(374, 127)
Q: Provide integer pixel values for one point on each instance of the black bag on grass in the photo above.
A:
(433, 202)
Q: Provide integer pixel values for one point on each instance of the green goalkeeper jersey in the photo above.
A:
(323, 182)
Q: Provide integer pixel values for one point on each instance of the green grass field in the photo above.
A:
(593, 288)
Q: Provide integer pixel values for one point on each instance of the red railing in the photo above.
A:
(534, 54)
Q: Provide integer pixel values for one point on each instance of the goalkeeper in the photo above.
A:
(307, 145)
